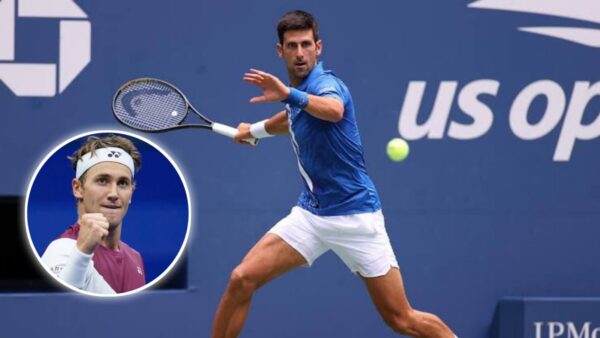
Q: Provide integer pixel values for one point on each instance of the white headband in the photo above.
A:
(110, 154)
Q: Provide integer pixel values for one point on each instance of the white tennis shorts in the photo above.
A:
(360, 240)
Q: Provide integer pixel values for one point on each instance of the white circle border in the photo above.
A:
(181, 249)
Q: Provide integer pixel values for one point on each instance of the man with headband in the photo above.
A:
(90, 255)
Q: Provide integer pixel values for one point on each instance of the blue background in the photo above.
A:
(156, 222)
(471, 221)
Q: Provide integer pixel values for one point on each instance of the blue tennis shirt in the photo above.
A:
(330, 154)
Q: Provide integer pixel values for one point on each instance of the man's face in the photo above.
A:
(107, 189)
(299, 50)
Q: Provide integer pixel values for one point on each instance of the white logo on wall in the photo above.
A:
(40, 79)
(566, 330)
(559, 104)
(562, 106)
(584, 10)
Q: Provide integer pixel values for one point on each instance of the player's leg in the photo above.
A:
(289, 244)
(361, 241)
(268, 259)
(387, 293)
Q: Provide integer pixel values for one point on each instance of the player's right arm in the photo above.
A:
(71, 260)
(277, 125)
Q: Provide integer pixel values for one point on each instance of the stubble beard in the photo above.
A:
(297, 76)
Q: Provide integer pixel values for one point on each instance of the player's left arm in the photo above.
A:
(325, 108)
(322, 107)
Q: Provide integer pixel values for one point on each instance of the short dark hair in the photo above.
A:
(297, 20)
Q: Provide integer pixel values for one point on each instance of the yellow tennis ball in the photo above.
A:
(397, 149)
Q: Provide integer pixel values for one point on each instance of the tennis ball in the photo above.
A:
(397, 149)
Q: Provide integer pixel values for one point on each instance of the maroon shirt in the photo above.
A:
(123, 270)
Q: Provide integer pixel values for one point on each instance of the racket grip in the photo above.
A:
(230, 132)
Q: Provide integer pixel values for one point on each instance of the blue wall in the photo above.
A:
(472, 220)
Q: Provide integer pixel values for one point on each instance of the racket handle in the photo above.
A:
(230, 132)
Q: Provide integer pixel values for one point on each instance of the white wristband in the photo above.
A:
(258, 130)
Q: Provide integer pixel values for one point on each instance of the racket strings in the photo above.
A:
(150, 105)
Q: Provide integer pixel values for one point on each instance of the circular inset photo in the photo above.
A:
(107, 213)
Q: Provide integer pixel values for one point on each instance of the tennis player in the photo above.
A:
(339, 208)
(90, 255)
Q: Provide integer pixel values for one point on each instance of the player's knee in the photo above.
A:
(241, 282)
(402, 323)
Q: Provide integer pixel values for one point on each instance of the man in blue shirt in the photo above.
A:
(338, 209)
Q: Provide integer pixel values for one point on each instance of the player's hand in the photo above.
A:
(243, 134)
(92, 228)
(273, 89)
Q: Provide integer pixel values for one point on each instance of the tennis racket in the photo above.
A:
(154, 105)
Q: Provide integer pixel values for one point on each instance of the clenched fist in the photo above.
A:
(92, 228)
